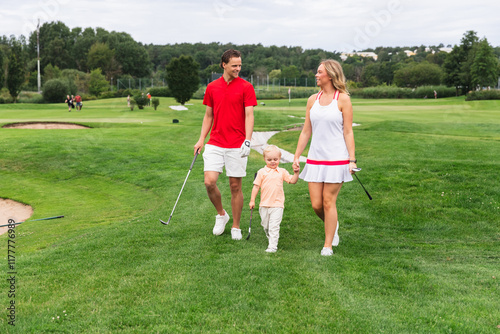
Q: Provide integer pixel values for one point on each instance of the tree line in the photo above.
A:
(90, 59)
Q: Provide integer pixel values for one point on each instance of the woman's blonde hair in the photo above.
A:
(335, 72)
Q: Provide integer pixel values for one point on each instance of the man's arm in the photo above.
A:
(205, 129)
(249, 120)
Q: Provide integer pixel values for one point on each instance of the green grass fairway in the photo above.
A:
(422, 257)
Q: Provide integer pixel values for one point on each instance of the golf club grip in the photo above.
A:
(194, 159)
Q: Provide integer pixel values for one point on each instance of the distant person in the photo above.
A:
(78, 100)
(435, 95)
(149, 99)
(128, 101)
(229, 118)
(69, 101)
(331, 158)
(272, 197)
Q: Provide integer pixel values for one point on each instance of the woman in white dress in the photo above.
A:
(331, 157)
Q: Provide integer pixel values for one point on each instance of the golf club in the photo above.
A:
(251, 213)
(190, 168)
(33, 220)
(357, 170)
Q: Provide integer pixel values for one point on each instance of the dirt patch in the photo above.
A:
(296, 128)
(16, 211)
(44, 125)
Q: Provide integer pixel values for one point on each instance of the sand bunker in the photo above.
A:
(10, 209)
(44, 125)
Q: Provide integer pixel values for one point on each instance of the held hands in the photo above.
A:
(251, 204)
(296, 166)
(245, 148)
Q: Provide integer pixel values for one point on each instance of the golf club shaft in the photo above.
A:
(187, 176)
(251, 214)
(250, 225)
(363, 187)
(33, 220)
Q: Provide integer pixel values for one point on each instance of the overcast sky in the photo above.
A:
(332, 25)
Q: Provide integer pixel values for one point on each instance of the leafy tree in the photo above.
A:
(418, 74)
(54, 45)
(290, 72)
(182, 78)
(469, 41)
(55, 90)
(51, 72)
(274, 74)
(97, 82)
(99, 56)
(83, 42)
(15, 78)
(207, 72)
(485, 65)
(369, 75)
(2, 73)
(133, 58)
(452, 68)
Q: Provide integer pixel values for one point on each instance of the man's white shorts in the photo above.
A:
(215, 158)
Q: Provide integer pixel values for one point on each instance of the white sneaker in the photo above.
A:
(220, 223)
(326, 252)
(236, 233)
(336, 238)
(271, 250)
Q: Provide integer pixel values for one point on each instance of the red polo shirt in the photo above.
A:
(228, 103)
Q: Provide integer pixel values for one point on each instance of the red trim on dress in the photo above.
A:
(327, 163)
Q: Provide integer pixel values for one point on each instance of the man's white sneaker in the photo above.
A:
(326, 252)
(220, 223)
(336, 238)
(236, 233)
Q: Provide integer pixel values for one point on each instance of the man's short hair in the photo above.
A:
(227, 55)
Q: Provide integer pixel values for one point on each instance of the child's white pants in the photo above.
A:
(271, 220)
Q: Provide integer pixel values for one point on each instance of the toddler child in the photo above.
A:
(272, 197)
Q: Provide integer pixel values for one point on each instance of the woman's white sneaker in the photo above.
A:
(326, 251)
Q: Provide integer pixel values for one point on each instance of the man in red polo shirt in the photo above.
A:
(229, 119)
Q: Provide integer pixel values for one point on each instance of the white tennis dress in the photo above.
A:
(328, 158)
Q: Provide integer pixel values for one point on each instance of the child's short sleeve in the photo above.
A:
(286, 175)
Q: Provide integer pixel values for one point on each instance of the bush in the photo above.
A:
(392, 92)
(107, 95)
(140, 100)
(55, 90)
(127, 92)
(493, 94)
(442, 91)
(88, 97)
(155, 102)
(160, 91)
(30, 97)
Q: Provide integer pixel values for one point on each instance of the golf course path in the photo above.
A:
(10, 209)
(259, 142)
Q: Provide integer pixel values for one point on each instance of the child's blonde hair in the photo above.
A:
(270, 148)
